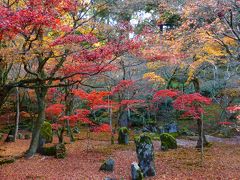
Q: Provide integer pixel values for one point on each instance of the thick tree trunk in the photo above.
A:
(40, 93)
(200, 137)
(17, 114)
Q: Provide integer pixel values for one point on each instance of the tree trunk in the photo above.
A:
(60, 132)
(196, 85)
(40, 93)
(17, 114)
(200, 135)
(4, 92)
(69, 98)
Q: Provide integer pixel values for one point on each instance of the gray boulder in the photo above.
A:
(136, 172)
(108, 165)
(145, 155)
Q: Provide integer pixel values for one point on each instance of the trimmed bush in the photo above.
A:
(20, 136)
(46, 132)
(60, 151)
(168, 141)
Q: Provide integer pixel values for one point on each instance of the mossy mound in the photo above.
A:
(123, 135)
(60, 151)
(168, 141)
(46, 132)
(143, 138)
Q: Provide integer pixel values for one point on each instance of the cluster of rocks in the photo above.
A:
(10, 136)
(145, 167)
(169, 128)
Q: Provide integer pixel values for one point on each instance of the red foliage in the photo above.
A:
(55, 110)
(123, 84)
(191, 104)
(80, 115)
(95, 98)
(69, 39)
(233, 109)
(102, 128)
(225, 123)
(165, 93)
(56, 126)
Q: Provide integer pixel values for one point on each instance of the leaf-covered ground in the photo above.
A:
(85, 157)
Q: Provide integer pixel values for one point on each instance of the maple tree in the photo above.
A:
(192, 105)
(54, 42)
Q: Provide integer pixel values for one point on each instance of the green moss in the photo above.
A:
(46, 131)
(143, 138)
(124, 130)
(168, 141)
(175, 134)
(7, 161)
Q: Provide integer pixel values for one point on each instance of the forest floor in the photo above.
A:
(84, 157)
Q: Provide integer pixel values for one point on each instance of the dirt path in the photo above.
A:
(192, 143)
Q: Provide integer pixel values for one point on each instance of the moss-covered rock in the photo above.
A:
(60, 151)
(123, 135)
(168, 141)
(145, 155)
(46, 132)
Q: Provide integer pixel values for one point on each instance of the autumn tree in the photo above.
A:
(54, 41)
(193, 105)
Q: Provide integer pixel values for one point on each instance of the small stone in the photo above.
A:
(108, 165)
(136, 172)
